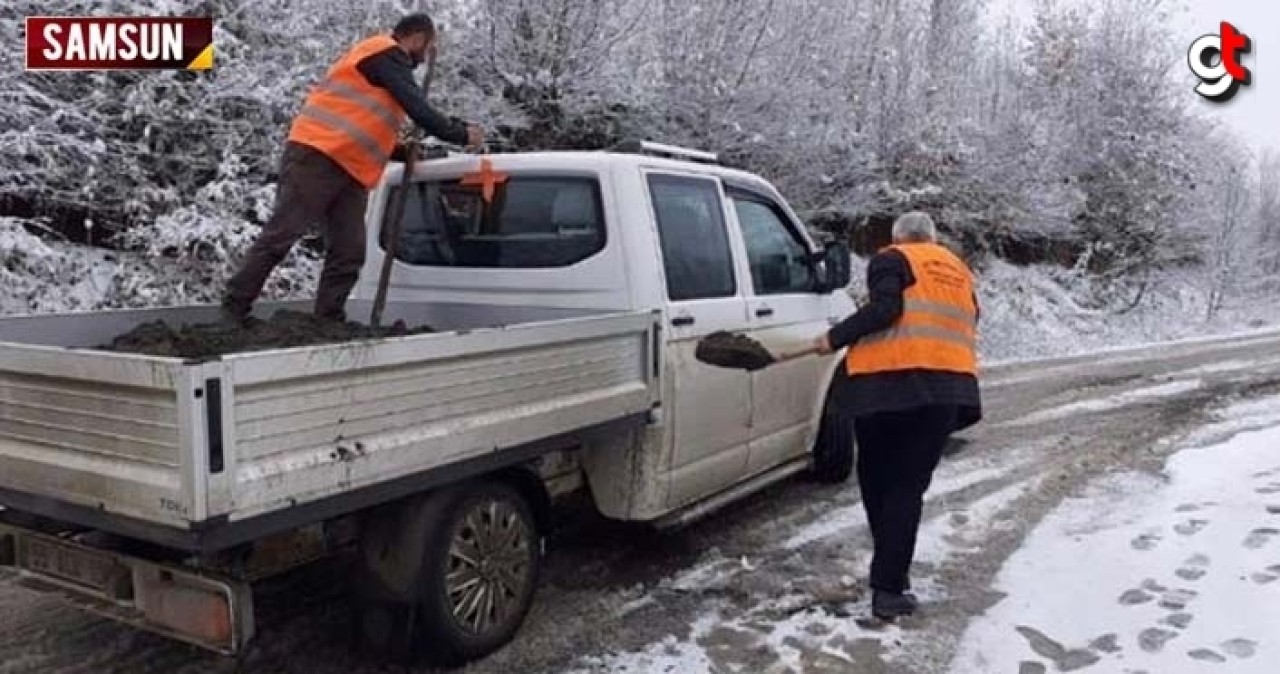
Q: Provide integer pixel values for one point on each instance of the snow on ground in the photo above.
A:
(1094, 405)
(1041, 311)
(778, 637)
(951, 478)
(670, 656)
(796, 632)
(962, 530)
(1167, 575)
(1231, 366)
(1244, 416)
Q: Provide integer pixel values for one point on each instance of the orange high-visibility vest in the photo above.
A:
(349, 119)
(938, 326)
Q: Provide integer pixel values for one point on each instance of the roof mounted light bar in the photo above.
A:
(663, 150)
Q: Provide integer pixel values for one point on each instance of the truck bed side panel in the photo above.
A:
(306, 426)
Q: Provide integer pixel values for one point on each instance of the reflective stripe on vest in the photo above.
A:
(352, 121)
(938, 326)
(362, 140)
(387, 115)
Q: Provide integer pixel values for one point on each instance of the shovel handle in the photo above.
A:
(398, 207)
(782, 358)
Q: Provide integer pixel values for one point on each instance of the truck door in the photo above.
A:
(785, 312)
(711, 414)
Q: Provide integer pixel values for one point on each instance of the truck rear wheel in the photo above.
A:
(461, 591)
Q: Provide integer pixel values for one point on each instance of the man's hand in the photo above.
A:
(823, 345)
(475, 136)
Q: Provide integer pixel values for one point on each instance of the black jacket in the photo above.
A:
(392, 70)
(888, 276)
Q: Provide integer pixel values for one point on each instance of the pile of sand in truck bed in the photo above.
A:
(285, 329)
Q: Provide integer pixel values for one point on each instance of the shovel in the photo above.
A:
(739, 352)
(396, 218)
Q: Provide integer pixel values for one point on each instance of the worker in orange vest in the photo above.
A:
(338, 146)
(910, 381)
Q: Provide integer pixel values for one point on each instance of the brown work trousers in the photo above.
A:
(312, 188)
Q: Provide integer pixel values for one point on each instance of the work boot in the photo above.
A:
(888, 606)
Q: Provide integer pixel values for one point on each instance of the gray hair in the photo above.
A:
(914, 227)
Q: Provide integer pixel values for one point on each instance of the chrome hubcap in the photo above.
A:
(488, 566)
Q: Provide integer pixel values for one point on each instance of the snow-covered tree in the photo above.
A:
(1068, 139)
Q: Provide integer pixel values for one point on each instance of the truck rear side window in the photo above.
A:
(533, 222)
(695, 245)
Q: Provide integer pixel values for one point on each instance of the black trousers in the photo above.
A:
(313, 189)
(897, 454)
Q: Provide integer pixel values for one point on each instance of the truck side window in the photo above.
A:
(695, 244)
(779, 260)
(534, 222)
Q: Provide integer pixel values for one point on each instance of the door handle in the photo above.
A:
(681, 321)
(764, 312)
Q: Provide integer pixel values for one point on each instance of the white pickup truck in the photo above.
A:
(566, 308)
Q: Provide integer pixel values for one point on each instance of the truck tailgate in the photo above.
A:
(198, 446)
(104, 433)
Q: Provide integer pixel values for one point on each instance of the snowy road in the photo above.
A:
(1063, 538)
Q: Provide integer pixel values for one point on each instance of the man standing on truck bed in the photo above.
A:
(338, 146)
(912, 381)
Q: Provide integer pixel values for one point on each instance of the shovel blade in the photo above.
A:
(738, 352)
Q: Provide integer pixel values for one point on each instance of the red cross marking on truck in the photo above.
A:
(486, 178)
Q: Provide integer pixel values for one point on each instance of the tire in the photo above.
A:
(479, 542)
(835, 447)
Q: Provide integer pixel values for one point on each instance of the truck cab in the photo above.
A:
(652, 227)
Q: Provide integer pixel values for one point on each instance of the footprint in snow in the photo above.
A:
(1150, 585)
(1135, 597)
(1206, 655)
(1107, 643)
(1176, 600)
(1189, 508)
(1153, 640)
(1146, 541)
(1194, 568)
(1259, 538)
(1190, 527)
(1066, 660)
(1143, 593)
(1179, 620)
(1263, 578)
(1240, 648)
(1273, 488)
(1190, 573)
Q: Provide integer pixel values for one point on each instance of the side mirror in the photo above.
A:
(836, 270)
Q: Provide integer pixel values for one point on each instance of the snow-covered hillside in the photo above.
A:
(1027, 312)
(1060, 139)
(1041, 311)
